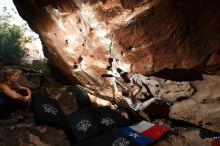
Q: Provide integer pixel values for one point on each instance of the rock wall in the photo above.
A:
(143, 36)
(85, 39)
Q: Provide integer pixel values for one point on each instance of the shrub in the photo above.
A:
(11, 43)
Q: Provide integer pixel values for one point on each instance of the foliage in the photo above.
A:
(12, 41)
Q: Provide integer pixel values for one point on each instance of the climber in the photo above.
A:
(132, 99)
(111, 77)
(12, 94)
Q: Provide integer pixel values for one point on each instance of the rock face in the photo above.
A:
(33, 53)
(143, 36)
(84, 39)
(203, 107)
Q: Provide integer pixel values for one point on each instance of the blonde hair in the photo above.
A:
(8, 72)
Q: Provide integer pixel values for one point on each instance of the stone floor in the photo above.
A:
(26, 133)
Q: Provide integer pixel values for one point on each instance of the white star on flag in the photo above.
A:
(135, 135)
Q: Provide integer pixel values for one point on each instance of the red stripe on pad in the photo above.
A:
(155, 132)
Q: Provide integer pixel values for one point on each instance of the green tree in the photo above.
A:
(12, 41)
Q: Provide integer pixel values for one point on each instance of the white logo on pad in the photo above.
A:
(107, 121)
(121, 142)
(49, 109)
(83, 125)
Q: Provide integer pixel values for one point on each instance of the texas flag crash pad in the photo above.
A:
(145, 133)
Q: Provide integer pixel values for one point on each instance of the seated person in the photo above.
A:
(10, 97)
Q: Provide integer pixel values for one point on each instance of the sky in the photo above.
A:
(19, 21)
